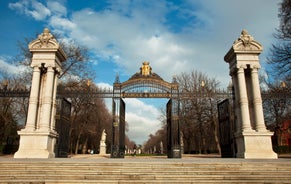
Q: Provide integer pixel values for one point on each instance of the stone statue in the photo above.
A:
(102, 143)
(103, 135)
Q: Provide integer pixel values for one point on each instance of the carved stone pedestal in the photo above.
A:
(36, 144)
(102, 150)
(255, 145)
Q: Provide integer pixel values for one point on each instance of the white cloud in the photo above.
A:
(57, 8)
(8, 68)
(142, 119)
(31, 8)
(61, 23)
(39, 11)
(140, 108)
(140, 127)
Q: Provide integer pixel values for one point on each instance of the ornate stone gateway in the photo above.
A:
(145, 84)
(39, 137)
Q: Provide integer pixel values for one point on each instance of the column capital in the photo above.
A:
(35, 65)
(58, 70)
(50, 68)
(237, 68)
(241, 68)
(255, 66)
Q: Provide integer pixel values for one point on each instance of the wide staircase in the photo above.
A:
(103, 170)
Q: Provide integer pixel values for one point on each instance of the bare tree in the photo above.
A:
(12, 113)
(89, 117)
(153, 144)
(280, 53)
(198, 115)
(277, 107)
(198, 112)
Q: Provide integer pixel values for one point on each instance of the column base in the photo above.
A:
(255, 145)
(102, 150)
(36, 144)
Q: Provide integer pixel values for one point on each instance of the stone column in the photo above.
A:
(54, 105)
(257, 100)
(46, 109)
(243, 100)
(33, 99)
(236, 103)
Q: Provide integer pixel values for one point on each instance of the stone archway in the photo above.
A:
(145, 84)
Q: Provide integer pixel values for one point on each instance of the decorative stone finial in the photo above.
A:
(245, 38)
(244, 44)
(45, 37)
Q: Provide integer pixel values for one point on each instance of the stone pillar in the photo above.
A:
(47, 98)
(238, 125)
(38, 138)
(243, 100)
(257, 100)
(253, 140)
(54, 105)
(33, 100)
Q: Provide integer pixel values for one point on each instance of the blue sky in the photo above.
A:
(174, 36)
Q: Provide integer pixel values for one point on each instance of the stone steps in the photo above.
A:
(24, 171)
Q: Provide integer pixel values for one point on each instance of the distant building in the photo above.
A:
(282, 136)
(285, 139)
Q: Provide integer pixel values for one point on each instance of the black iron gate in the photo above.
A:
(63, 127)
(145, 84)
(118, 129)
(226, 129)
(173, 130)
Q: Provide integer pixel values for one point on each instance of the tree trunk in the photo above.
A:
(215, 125)
(77, 143)
(84, 148)
(216, 135)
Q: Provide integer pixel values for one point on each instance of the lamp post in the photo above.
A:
(202, 139)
